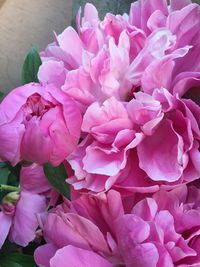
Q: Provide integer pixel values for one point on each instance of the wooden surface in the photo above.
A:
(26, 23)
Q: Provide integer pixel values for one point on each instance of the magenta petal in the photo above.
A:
(178, 4)
(61, 232)
(43, 254)
(72, 256)
(10, 138)
(102, 161)
(25, 218)
(5, 224)
(41, 146)
(13, 102)
(186, 19)
(33, 179)
(154, 151)
(89, 231)
(132, 232)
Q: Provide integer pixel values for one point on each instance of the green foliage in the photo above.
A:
(31, 67)
(4, 173)
(9, 175)
(57, 177)
(1, 96)
(17, 260)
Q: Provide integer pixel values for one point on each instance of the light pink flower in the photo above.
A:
(122, 54)
(38, 124)
(95, 69)
(178, 68)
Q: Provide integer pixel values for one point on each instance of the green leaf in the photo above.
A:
(31, 67)
(8, 263)
(13, 178)
(103, 7)
(8, 247)
(2, 164)
(57, 177)
(17, 260)
(4, 173)
(1, 96)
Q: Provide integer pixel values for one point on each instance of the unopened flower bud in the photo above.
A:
(11, 198)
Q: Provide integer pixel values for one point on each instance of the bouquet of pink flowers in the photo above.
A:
(100, 157)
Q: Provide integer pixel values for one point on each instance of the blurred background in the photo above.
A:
(26, 23)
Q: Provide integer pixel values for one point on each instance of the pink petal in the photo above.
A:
(72, 256)
(52, 71)
(70, 42)
(5, 224)
(33, 179)
(179, 4)
(153, 151)
(100, 160)
(89, 231)
(43, 255)
(25, 218)
(61, 232)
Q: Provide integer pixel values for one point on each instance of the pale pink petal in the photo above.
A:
(52, 71)
(70, 42)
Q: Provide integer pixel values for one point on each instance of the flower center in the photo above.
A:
(134, 89)
(37, 106)
(193, 94)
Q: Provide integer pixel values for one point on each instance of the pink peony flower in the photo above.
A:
(125, 146)
(38, 124)
(99, 159)
(123, 232)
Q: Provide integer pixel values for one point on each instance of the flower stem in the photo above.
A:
(10, 188)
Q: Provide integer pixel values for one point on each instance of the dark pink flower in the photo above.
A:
(127, 144)
(38, 124)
